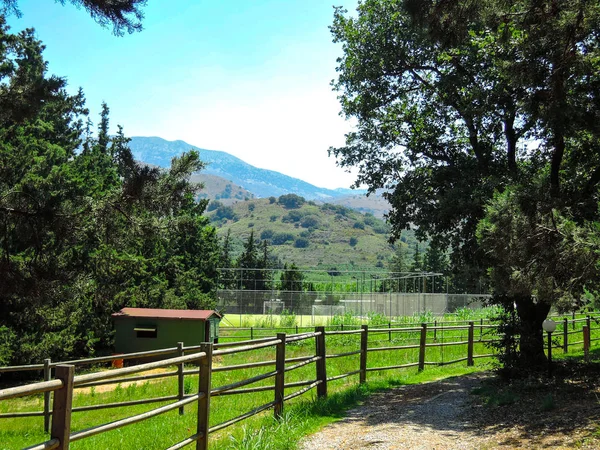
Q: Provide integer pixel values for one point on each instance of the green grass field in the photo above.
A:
(302, 415)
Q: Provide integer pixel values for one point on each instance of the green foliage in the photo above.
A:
(353, 241)
(85, 229)
(291, 201)
(463, 88)
(359, 225)
(301, 242)
(281, 238)
(310, 222)
(124, 15)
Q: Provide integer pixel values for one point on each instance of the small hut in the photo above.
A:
(142, 329)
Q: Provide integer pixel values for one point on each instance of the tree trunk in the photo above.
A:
(531, 343)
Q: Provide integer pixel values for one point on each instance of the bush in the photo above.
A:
(267, 234)
(359, 225)
(310, 222)
(292, 216)
(281, 238)
(291, 201)
(273, 218)
(225, 212)
(251, 207)
(272, 200)
(301, 243)
(213, 205)
(353, 241)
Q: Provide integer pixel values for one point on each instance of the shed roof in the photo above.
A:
(184, 314)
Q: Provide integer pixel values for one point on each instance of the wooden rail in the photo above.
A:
(65, 381)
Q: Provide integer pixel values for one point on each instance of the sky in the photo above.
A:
(248, 77)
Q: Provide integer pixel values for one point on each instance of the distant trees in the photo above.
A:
(291, 278)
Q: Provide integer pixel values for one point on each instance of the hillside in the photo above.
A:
(218, 188)
(312, 235)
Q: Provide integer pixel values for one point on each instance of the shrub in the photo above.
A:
(353, 241)
(225, 212)
(301, 243)
(281, 238)
(292, 216)
(213, 205)
(272, 200)
(273, 218)
(359, 225)
(291, 201)
(251, 207)
(267, 234)
(310, 222)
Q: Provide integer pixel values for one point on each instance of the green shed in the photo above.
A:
(142, 329)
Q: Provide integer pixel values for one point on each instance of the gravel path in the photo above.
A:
(443, 415)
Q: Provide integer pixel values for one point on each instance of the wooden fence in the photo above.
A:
(65, 381)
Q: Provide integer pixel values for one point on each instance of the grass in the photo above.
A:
(307, 412)
(303, 414)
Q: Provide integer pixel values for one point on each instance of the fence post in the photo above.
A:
(481, 329)
(573, 319)
(470, 344)
(47, 372)
(321, 363)
(435, 330)
(204, 386)
(565, 335)
(61, 406)
(588, 322)
(180, 381)
(422, 346)
(364, 345)
(389, 332)
(251, 333)
(586, 343)
(280, 376)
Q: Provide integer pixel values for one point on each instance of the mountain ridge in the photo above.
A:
(262, 182)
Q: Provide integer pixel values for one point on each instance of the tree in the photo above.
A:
(84, 229)
(248, 262)
(457, 101)
(435, 261)
(291, 201)
(291, 278)
(124, 15)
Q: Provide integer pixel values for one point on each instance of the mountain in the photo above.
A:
(261, 182)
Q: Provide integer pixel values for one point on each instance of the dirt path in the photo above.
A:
(445, 415)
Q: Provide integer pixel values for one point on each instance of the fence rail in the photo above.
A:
(65, 381)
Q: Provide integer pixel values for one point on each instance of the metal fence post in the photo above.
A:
(61, 406)
(180, 380)
(565, 335)
(364, 345)
(470, 344)
(280, 376)
(422, 346)
(321, 362)
(47, 375)
(204, 386)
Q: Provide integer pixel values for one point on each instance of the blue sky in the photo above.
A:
(249, 77)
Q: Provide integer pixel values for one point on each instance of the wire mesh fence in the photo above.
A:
(359, 304)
